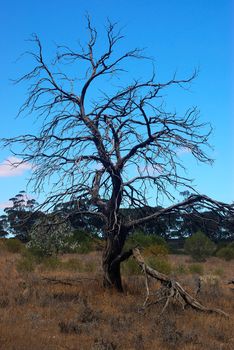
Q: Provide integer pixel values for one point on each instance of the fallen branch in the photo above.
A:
(172, 289)
(68, 281)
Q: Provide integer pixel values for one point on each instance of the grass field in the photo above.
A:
(36, 314)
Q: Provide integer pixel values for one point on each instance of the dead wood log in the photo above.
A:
(171, 289)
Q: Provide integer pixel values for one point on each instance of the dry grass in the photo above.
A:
(35, 314)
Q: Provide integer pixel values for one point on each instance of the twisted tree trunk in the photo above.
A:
(113, 256)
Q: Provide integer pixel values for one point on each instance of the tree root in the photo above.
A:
(170, 290)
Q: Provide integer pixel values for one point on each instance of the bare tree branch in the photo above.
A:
(109, 146)
(190, 203)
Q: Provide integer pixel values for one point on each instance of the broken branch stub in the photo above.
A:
(175, 290)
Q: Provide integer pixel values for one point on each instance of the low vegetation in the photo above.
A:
(139, 238)
(60, 299)
(227, 252)
(13, 245)
(199, 246)
(196, 268)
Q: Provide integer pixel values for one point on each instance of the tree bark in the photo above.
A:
(112, 258)
(112, 276)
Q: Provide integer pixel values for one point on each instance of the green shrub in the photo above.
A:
(28, 261)
(82, 242)
(32, 258)
(34, 255)
(51, 263)
(13, 245)
(160, 241)
(75, 264)
(130, 267)
(159, 264)
(221, 244)
(25, 264)
(156, 250)
(226, 253)
(196, 268)
(72, 265)
(199, 246)
(218, 271)
(181, 269)
(139, 238)
(176, 246)
(49, 235)
(84, 248)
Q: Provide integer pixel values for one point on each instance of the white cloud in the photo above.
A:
(183, 150)
(6, 204)
(152, 171)
(12, 166)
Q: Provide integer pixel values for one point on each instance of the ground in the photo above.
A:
(42, 315)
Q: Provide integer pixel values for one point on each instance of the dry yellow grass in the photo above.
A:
(38, 315)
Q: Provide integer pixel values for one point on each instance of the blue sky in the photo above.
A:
(180, 34)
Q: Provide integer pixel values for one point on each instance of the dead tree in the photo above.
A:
(108, 144)
(171, 289)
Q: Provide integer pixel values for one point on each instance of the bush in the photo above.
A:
(84, 248)
(196, 268)
(82, 242)
(35, 253)
(176, 246)
(130, 267)
(159, 264)
(221, 244)
(199, 246)
(25, 264)
(29, 262)
(139, 238)
(218, 271)
(156, 250)
(181, 269)
(227, 252)
(13, 245)
(32, 257)
(50, 235)
(51, 263)
(72, 264)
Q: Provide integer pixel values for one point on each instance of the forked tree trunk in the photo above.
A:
(112, 258)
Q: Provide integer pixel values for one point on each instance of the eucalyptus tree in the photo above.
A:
(108, 143)
(20, 216)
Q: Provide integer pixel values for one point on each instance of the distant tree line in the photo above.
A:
(19, 219)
